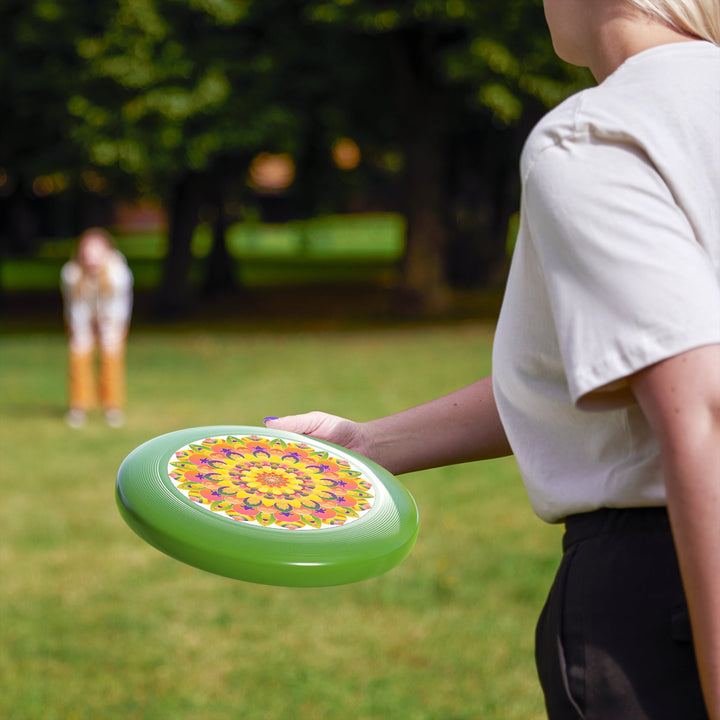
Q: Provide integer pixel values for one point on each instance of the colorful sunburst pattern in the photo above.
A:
(272, 482)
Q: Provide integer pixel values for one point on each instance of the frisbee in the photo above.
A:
(266, 506)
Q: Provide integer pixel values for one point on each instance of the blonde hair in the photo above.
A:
(699, 18)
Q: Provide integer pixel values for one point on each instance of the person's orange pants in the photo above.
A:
(83, 390)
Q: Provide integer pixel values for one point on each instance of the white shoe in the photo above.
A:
(75, 418)
(115, 418)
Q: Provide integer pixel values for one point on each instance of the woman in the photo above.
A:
(97, 293)
(606, 365)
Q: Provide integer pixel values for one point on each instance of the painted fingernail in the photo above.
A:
(270, 417)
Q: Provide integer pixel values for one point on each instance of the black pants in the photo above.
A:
(613, 641)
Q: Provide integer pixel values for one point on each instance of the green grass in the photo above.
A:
(94, 623)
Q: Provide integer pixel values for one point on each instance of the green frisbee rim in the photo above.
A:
(168, 520)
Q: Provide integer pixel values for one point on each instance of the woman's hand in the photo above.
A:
(323, 426)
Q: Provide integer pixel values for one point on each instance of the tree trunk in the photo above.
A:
(424, 143)
(175, 295)
(220, 266)
(485, 194)
(424, 277)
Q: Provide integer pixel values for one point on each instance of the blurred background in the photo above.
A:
(317, 200)
(232, 145)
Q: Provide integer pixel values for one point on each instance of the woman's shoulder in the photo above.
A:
(554, 128)
(649, 102)
(596, 114)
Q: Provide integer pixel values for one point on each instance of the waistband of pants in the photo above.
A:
(612, 521)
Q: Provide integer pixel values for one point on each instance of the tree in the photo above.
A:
(175, 98)
(461, 72)
(38, 68)
(182, 95)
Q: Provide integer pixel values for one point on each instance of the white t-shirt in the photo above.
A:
(97, 308)
(617, 266)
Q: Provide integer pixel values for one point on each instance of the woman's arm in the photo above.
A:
(459, 427)
(681, 400)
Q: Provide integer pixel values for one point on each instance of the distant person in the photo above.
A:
(97, 294)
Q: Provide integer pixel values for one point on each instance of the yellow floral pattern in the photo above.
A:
(271, 482)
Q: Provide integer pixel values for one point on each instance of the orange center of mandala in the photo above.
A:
(275, 481)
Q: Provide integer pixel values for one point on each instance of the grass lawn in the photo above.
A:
(94, 623)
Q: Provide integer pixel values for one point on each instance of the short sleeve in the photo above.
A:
(628, 282)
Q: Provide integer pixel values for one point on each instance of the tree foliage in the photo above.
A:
(175, 97)
(39, 68)
(468, 77)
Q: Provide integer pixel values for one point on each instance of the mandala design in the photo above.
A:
(271, 482)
